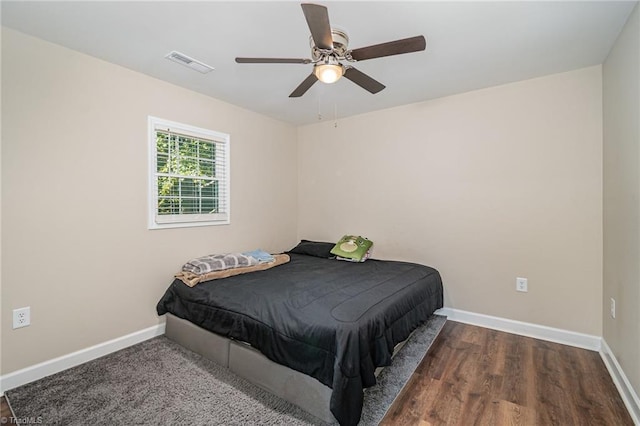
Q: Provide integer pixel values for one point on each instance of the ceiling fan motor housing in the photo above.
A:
(340, 44)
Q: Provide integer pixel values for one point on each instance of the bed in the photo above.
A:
(332, 321)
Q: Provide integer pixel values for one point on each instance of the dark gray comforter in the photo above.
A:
(335, 321)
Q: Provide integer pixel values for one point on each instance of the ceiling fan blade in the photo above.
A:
(363, 80)
(407, 45)
(304, 86)
(272, 61)
(318, 22)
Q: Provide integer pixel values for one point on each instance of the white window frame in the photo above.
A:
(156, 221)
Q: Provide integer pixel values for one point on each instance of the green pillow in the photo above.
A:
(352, 247)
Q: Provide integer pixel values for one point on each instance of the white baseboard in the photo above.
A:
(542, 332)
(629, 396)
(47, 368)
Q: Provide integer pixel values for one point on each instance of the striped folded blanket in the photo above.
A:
(192, 279)
(218, 262)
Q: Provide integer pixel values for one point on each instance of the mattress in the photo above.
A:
(334, 321)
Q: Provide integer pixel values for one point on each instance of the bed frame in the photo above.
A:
(297, 388)
(290, 385)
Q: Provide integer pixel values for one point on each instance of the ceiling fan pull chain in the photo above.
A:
(335, 116)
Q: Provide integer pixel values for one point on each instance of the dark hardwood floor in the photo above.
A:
(6, 418)
(476, 376)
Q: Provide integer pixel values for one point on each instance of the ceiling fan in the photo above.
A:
(329, 46)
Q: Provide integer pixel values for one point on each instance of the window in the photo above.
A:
(188, 175)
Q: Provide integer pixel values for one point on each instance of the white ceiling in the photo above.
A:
(470, 45)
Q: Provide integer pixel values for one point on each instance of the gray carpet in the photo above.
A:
(158, 382)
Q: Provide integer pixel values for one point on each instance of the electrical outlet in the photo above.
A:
(522, 285)
(21, 317)
(613, 307)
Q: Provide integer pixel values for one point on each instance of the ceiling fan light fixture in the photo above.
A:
(328, 73)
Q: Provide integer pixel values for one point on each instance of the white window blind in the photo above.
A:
(189, 175)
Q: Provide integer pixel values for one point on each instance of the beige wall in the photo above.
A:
(1, 317)
(621, 89)
(485, 186)
(75, 244)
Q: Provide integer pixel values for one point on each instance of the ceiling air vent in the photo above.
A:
(183, 59)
